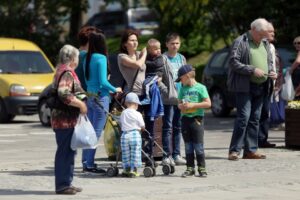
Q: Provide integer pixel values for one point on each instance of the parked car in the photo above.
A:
(113, 23)
(215, 79)
(24, 72)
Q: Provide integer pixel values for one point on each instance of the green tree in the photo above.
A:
(41, 21)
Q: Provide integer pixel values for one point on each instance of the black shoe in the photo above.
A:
(266, 145)
(189, 172)
(67, 191)
(202, 172)
(94, 170)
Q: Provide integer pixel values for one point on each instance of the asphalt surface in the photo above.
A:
(27, 158)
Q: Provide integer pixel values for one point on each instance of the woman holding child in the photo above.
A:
(132, 67)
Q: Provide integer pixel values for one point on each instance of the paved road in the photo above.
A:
(26, 170)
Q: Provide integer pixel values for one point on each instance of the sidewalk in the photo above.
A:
(26, 171)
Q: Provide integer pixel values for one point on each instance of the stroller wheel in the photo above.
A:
(111, 172)
(116, 171)
(172, 169)
(148, 172)
(166, 169)
(154, 171)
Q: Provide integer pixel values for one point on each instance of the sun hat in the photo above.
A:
(132, 98)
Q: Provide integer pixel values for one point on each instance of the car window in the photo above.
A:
(109, 19)
(143, 15)
(219, 59)
(25, 62)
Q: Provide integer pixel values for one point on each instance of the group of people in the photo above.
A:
(161, 85)
(156, 85)
(256, 64)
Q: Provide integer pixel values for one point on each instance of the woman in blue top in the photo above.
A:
(83, 38)
(95, 72)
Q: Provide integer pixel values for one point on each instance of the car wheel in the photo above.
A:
(44, 113)
(219, 107)
(4, 116)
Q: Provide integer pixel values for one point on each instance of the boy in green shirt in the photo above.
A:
(193, 98)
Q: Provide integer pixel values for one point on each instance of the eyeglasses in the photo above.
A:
(296, 43)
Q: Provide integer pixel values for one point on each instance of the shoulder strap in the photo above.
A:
(59, 78)
(134, 79)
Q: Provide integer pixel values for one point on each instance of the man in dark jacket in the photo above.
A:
(249, 77)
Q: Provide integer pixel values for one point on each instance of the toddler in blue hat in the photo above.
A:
(131, 142)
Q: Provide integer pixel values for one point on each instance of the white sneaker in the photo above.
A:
(179, 160)
(168, 160)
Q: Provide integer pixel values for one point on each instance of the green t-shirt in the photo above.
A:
(193, 94)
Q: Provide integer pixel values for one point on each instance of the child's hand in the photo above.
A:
(187, 106)
(159, 79)
(181, 106)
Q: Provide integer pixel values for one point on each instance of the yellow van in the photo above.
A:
(24, 72)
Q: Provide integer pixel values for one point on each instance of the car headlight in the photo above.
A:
(18, 90)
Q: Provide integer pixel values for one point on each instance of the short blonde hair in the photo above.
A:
(67, 54)
(151, 43)
(297, 39)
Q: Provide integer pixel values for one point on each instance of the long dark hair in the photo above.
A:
(83, 35)
(124, 39)
(97, 44)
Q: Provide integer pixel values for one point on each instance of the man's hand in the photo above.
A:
(258, 72)
(273, 75)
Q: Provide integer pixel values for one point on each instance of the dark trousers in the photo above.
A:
(64, 159)
(263, 133)
(193, 132)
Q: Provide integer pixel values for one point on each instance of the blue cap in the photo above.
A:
(184, 69)
(132, 98)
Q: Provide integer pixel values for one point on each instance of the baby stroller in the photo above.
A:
(168, 164)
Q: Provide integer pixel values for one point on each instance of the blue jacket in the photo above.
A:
(156, 105)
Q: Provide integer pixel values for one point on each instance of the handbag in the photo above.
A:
(53, 101)
(288, 92)
(84, 135)
(277, 110)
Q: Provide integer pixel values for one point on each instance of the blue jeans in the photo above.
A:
(64, 159)
(245, 132)
(98, 117)
(171, 130)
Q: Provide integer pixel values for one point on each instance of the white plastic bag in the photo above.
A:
(84, 136)
(288, 92)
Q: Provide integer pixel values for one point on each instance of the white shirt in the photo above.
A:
(273, 53)
(131, 119)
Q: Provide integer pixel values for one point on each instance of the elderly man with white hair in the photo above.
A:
(249, 78)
